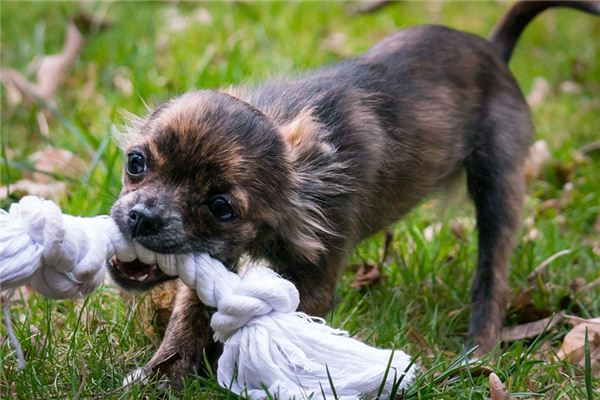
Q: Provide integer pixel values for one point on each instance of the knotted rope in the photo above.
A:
(267, 344)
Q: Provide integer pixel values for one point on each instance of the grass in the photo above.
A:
(83, 348)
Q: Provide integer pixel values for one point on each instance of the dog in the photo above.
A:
(298, 170)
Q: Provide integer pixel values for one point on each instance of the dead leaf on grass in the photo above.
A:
(497, 390)
(202, 16)
(122, 82)
(570, 87)
(53, 191)
(538, 157)
(530, 329)
(573, 347)
(39, 182)
(417, 339)
(53, 160)
(366, 275)
(368, 7)
(462, 226)
(335, 42)
(430, 231)
(52, 70)
(539, 92)
(174, 20)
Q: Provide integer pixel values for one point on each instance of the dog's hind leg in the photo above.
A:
(496, 185)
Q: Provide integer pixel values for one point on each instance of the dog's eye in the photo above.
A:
(136, 164)
(222, 208)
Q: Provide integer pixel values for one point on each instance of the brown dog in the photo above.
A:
(298, 170)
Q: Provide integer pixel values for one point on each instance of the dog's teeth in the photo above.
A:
(141, 278)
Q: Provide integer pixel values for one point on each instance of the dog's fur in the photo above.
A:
(316, 163)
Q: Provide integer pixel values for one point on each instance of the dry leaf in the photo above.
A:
(368, 6)
(335, 42)
(539, 91)
(175, 22)
(497, 390)
(366, 275)
(54, 191)
(54, 161)
(570, 87)
(538, 156)
(573, 347)
(39, 182)
(52, 70)
(461, 227)
(432, 230)
(203, 16)
(416, 338)
(122, 82)
(530, 329)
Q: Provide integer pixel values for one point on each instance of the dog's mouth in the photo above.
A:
(136, 275)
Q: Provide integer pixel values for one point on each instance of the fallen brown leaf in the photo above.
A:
(203, 16)
(497, 390)
(430, 231)
(570, 87)
(539, 155)
(366, 275)
(53, 190)
(530, 329)
(54, 160)
(539, 92)
(461, 227)
(39, 181)
(335, 42)
(368, 6)
(52, 70)
(416, 338)
(122, 82)
(573, 347)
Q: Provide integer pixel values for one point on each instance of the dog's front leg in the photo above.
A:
(187, 338)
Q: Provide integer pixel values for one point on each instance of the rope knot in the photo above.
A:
(59, 254)
(259, 292)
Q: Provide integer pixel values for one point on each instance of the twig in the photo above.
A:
(369, 6)
(589, 286)
(540, 268)
(588, 148)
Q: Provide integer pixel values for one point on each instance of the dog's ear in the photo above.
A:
(305, 137)
(316, 175)
(302, 233)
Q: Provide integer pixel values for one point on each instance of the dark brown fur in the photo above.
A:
(314, 164)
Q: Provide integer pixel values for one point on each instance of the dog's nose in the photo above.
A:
(143, 220)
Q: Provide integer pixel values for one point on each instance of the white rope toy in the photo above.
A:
(267, 344)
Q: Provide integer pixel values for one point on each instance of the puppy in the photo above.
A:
(298, 170)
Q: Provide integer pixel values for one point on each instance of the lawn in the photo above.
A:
(152, 51)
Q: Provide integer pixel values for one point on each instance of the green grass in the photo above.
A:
(83, 348)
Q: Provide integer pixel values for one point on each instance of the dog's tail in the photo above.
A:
(507, 31)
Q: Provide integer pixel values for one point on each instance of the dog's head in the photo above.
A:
(206, 172)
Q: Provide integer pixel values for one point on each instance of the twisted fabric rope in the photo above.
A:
(267, 344)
